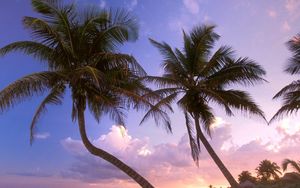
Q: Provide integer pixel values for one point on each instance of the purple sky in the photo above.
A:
(256, 29)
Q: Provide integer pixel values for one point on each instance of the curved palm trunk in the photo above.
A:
(107, 156)
(233, 183)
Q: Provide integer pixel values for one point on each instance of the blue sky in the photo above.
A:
(256, 29)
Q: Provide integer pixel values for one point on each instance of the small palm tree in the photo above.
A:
(200, 77)
(246, 176)
(80, 50)
(267, 171)
(294, 164)
(291, 92)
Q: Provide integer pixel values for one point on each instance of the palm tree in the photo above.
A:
(294, 164)
(267, 171)
(291, 92)
(246, 176)
(200, 77)
(80, 50)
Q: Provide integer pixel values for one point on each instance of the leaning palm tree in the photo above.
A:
(294, 164)
(80, 50)
(291, 92)
(267, 170)
(197, 77)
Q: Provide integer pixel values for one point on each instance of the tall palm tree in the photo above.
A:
(80, 49)
(293, 163)
(267, 170)
(199, 77)
(291, 92)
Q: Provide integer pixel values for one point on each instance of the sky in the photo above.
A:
(253, 28)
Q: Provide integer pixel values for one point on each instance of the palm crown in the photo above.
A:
(197, 77)
(267, 170)
(290, 93)
(80, 53)
(200, 77)
(80, 50)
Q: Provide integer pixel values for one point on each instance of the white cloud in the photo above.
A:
(102, 4)
(42, 135)
(192, 6)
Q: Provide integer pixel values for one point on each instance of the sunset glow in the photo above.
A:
(58, 158)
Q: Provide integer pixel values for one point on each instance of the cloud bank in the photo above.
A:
(170, 164)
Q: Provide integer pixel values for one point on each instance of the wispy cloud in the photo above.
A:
(192, 6)
(292, 5)
(42, 135)
(285, 26)
(272, 13)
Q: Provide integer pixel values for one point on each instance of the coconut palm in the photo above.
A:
(197, 77)
(80, 50)
(291, 92)
(246, 176)
(267, 171)
(294, 164)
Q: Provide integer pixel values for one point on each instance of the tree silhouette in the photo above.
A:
(294, 164)
(199, 77)
(246, 176)
(291, 92)
(80, 50)
(267, 171)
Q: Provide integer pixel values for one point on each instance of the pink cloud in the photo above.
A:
(170, 164)
(272, 13)
(286, 26)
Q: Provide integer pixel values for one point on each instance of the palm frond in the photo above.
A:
(286, 109)
(35, 49)
(118, 60)
(54, 97)
(161, 82)
(294, 86)
(241, 71)
(195, 148)
(114, 28)
(56, 13)
(158, 111)
(207, 118)
(203, 39)
(166, 51)
(213, 95)
(28, 86)
(239, 100)
(293, 66)
(294, 164)
(217, 61)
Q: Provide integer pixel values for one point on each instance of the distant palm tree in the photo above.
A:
(80, 50)
(267, 171)
(246, 176)
(294, 164)
(200, 77)
(291, 92)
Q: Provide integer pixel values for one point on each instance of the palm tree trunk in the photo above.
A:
(107, 156)
(233, 183)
